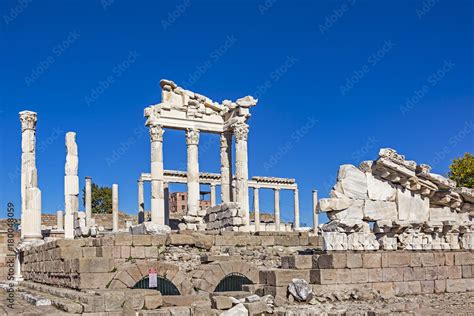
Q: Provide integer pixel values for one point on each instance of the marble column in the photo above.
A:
(192, 141)
(88, 199)
(30, 193)
(157, 178)
(241, 169)
(296, 209)
(60, 220)
(141, 202)
(315, 211)
(18, 277)
(213, 195)
(256, 208)
(115, 208)
(167, 203)
(277, 208)
(226, 167)
(71, 185)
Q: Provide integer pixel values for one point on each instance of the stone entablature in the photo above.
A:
(410, 208)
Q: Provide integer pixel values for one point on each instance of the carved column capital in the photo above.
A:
(192, 136)
(226, 139)
(28, 120)
(241, 131)
(156, 133)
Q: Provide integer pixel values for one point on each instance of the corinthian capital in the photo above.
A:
(28, 120)
(226, 139)
(192, 136)
(241, 131)
(156, 133)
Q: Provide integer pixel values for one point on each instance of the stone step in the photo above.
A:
(34, 300)
(62, 304)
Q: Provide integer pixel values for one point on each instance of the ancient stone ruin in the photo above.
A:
(393, 203)
(395, 229)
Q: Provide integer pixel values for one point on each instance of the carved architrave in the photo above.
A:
(28, 120)
(156, 133)
(192, 136)
(241, 131)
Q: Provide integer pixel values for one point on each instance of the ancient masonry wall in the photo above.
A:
(393, 203)
(6, 255)
(383, 273)
(121, 260)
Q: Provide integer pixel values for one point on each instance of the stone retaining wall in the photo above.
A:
(108, 262)
(383, 273)
(6, 255)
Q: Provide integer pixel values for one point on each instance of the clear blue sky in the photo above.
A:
(336, 80)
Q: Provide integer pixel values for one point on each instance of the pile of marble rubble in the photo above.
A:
(225, 217)
(393, 203)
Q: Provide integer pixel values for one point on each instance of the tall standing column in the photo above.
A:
(256, 208)
(192, 140)
(226, 167)
(30, 193)
(296, 209)
(71, 185)
(213, 195)
(277, 208)
(241, 171)
(315, 211)
(115, 207)
(141, 202)
(157, 178)
(88, 201)
(167, 203)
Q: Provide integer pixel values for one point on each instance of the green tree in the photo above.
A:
(101, 199)
(462, 171)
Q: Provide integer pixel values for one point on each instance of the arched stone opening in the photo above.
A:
(165, 286)
(232, 282)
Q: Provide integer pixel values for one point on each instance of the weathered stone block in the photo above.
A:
(372, 260)
(153, 301)
(427, 287)
(427, 259)
(332, 261)
(440, 286)
(449, 257)
(283, 277)
(297, 262)
(96, 265)
(407, 288)
(256, 308)
(221, 302)
(123, 240)
(181, 239)
(467, 272)
(354, 260)
(392, 274)
(455, 285)
(454, 272)
(326, 276)
(359, 275)
(95, 280)
(158, 240)
(125, 252)
(397, 260)
(141, 240)
(137, 252)
(375, 275)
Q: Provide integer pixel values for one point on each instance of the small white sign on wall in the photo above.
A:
(152, 278)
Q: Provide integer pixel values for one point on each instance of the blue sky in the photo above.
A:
(336, 81)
